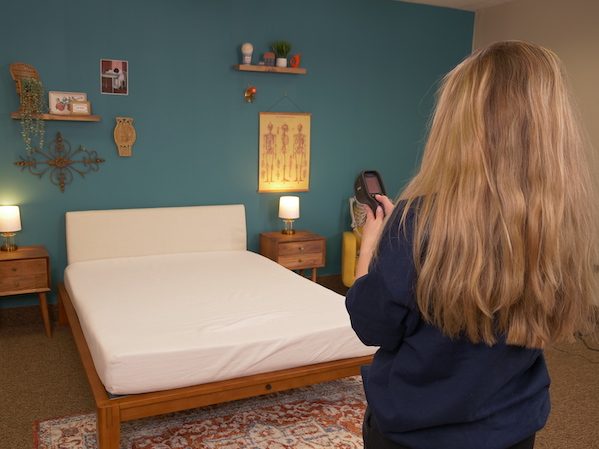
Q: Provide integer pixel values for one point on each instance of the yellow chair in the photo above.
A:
(350, 250)
(350, 245)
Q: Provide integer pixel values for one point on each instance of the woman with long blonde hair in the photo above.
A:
(489, 257)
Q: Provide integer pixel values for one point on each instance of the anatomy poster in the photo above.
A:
(284, 152)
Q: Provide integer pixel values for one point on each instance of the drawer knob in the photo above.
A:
(14, 269)
(300, 260)
(301, 248)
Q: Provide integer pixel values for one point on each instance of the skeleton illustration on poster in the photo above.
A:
(284, 162)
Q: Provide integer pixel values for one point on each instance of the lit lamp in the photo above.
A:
(288, 211)
(10, 222)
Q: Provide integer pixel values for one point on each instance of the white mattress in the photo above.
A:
(159, 322)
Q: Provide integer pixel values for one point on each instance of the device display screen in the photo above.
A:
(372, 184)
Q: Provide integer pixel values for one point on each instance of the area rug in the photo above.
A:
(327, 415)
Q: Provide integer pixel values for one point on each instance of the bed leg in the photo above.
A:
(108, 427)
(62, 313)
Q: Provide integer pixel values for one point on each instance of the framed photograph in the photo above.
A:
(114, 77)
(284, 158)
(80, 107)
(58, 102)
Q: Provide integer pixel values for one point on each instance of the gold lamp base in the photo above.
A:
(288, 229)
(8, 241)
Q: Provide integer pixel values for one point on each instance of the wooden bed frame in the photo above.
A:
(95, 235)
(111, 412)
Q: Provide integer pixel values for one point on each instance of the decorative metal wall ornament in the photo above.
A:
(61, 161)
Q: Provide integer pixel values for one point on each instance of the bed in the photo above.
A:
(170, 311)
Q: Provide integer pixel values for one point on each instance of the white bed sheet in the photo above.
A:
(160, 322)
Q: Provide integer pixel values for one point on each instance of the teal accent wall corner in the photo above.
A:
(373, 68)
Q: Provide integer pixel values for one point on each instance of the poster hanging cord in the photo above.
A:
(285, 97)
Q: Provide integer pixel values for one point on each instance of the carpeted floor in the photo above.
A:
(42, 377)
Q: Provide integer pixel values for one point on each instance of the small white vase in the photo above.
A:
(281, 62)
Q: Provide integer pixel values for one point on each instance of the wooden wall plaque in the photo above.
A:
(124, 136)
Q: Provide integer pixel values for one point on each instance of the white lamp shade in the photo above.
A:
(10, 219)
(289, 207)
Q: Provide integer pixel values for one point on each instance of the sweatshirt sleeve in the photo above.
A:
(381, 303)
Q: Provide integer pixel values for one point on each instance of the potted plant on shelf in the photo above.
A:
(32, 102)
(281, 50)
(33, 105)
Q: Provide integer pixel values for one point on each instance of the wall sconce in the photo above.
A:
(250, 94)
(10, 222)
(288, 212)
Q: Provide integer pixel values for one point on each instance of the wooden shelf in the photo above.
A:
(271, 69)
(71, 118)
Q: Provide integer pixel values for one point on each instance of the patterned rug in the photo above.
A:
(320, 416)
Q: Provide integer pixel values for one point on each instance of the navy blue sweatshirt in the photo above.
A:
(425, 390)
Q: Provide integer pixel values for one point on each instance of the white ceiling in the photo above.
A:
(469, 5)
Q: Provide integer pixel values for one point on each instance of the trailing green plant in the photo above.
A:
(33, 104)
(281, 48)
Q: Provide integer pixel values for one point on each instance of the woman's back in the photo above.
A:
(430, 391)
(490, 257)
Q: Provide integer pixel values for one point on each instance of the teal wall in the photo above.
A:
(372, 70)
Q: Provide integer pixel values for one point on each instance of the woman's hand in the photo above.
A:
(370, 232)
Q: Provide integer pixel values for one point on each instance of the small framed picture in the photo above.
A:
(114, 77)
(80, 107)
(58, 102)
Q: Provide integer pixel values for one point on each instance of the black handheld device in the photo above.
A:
(368, 184)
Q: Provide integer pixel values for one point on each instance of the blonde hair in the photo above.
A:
(504, 237)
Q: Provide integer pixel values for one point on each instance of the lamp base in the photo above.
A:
(8, 242)
(288, 229)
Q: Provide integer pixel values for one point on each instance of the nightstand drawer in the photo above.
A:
(297, 248)
(22, 267)
(297, 262)
(23, 282)
(299, 251)
(27, 270)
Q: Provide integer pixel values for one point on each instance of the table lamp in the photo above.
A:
(288, 211)
(10, 222)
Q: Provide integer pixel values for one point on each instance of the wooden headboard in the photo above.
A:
(102, 234)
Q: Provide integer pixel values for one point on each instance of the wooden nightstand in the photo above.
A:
(297, 251)
(27, 270)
